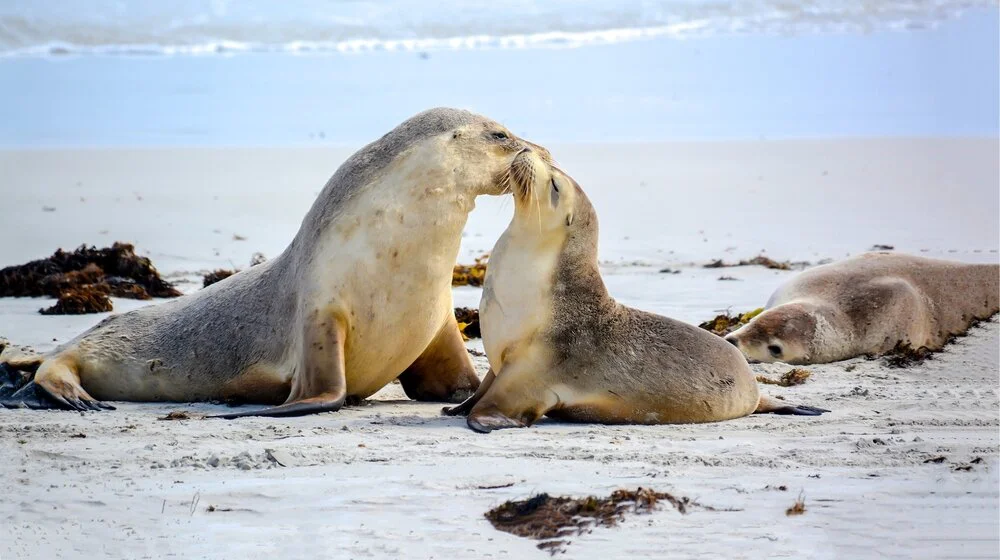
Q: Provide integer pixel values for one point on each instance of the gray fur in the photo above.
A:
(872, 302)
(649, 360)
(361, 168)
(187, 348)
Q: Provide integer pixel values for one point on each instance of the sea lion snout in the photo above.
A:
(526, 168)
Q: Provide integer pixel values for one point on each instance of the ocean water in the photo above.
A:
(309, 72)
(56, 27)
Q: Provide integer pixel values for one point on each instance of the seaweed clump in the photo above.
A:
(470, 275)
(80, 300)
(798, 508)
(903, 355)
(792, 377)
(724, 324)
(220, 274)
(759, 260)
(84, 280)
(468, 322)
(215, 276)
(551, 519)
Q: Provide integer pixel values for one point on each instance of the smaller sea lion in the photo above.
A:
(560, 345)
(869, 305)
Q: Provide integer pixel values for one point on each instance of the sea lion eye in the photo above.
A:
(499, 135)
(775, 350)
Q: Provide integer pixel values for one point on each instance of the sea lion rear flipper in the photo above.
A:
(56, 385)
(320, 384)
(466, 407)
(767, 405)
(444, 371)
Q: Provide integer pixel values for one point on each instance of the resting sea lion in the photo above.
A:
(561, 346)
(867, 305)
(361, 296)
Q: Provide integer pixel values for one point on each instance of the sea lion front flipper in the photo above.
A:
(800, 410)
(486, 421)
(320, 384)
(515, 398)
(304, 407)
(444, 371)
(767, 405)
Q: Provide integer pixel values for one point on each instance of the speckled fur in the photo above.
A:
(868, 304)
(591, 359)
(242, 338)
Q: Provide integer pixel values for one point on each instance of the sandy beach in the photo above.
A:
(807, 132)
(905, 465)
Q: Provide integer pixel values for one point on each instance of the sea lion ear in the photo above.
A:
(569, 220)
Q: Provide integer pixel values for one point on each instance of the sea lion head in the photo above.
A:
(781, 334)
(475, 150)
(440, 152)
(546, 199)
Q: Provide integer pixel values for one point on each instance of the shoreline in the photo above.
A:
(942, 81)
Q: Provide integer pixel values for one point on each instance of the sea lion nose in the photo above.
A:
(733, 341)
(532, 147)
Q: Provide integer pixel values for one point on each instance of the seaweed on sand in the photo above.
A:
(759, 260)
(80, 300)
(725, 323)
(215, 276)
(552, 519)
(220, 274)
(470, 275)
(84, 280)
(468, 322)
(792, 377)
(126, 274)
(903, 355)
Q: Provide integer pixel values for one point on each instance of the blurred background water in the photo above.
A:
(199, 72)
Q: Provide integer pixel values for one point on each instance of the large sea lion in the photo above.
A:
(559, 345)
(361, 296)
(868, 305)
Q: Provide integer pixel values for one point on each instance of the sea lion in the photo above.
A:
(559, 345)
(869, 305)
(360, 297)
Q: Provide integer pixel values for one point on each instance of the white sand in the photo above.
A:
(392, 478)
